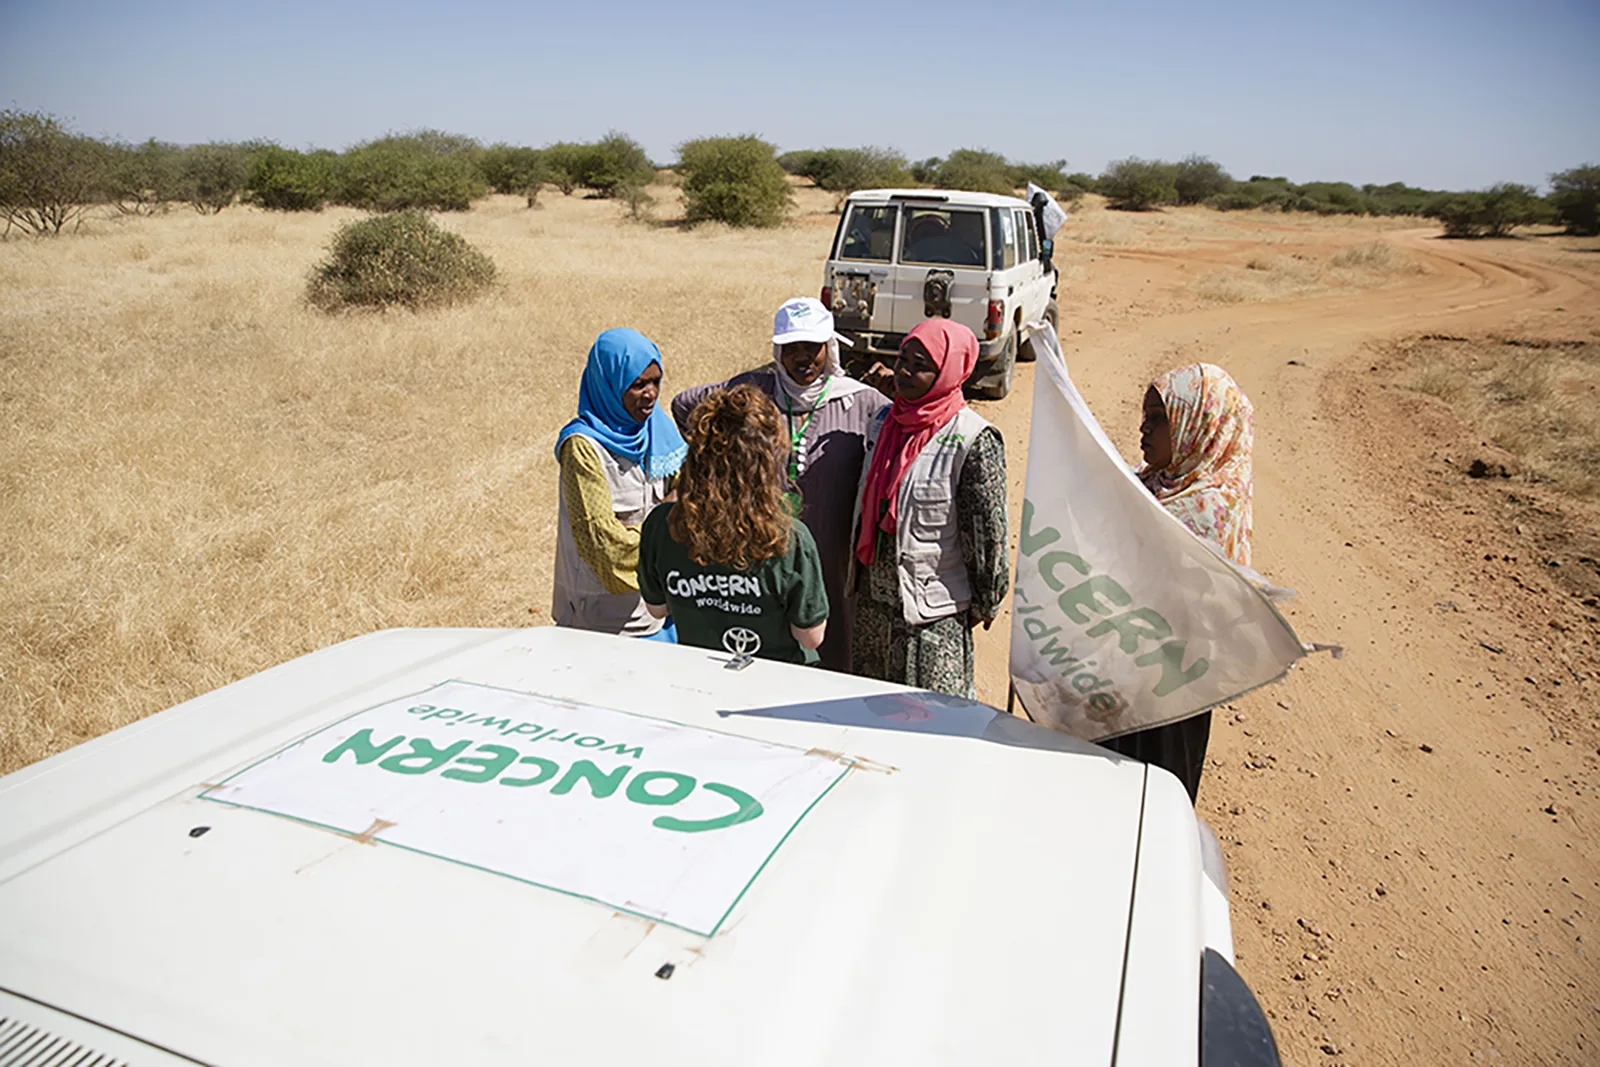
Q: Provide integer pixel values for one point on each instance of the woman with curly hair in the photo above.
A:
(825, 416)
(727, 561)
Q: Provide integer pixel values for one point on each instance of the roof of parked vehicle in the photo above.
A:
(287, 871)
(952, 196)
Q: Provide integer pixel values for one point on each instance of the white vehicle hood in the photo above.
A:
(959, 893)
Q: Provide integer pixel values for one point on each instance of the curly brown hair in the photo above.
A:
(730, 490)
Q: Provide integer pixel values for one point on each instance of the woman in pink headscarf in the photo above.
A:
(930, 529)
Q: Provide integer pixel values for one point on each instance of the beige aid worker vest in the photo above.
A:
(578, 599)
(933, 575)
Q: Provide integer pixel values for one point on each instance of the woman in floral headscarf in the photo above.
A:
(1197, 436)
(930, 521)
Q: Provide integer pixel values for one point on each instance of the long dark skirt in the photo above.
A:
(1179, 747)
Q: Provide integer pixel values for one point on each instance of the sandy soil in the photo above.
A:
(212, 479)
(1411, 830)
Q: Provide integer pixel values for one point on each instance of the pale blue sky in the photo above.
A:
(1443, 95)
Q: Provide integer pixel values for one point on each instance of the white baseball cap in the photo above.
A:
(802, 319)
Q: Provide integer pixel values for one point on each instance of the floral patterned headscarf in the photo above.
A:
(1209, 483)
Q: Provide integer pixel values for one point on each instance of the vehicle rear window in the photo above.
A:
(869, 233)
(943, 237)
(1027, 244)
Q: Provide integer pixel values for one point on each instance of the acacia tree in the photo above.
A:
(736, 180)
(1575, 195)
(1197, 179)
(213, 176)
(1135, 184)
(49, 176)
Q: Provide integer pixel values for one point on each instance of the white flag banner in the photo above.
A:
(1054, 216)
(1123, 619)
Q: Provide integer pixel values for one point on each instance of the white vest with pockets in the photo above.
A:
(933, 574)
(577, 598)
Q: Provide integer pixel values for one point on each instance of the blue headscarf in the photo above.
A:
(615, 362)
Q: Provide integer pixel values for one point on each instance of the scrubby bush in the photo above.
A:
(564, 161)
(1396, 198)
(1135, 184)
(402, 258)
(49, 176)
(635, 197)
(736, 180)
(1051, 176)
(844, 170)
(1575, 198)
(426, 170)
(611, 162)
(925, 171)
(515, 171)
(282, 179)
(143, 179)
(1198, 179)
(1494, 212)
(976, 170)
(212, 176)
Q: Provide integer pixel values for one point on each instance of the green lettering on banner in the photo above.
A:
(498, 759)
(547, 771)
(1169, 657)
(748, 808)
(601, 783)
(626, 753)
(1036, 629)
(1050, 560)
(419, 709)
(423, 757)
(360, 745)
(1031, 542)
(1057, 653)
(490, 722)
(1085, 594)
(1088, 683)
(638, 792)
(1133, 626)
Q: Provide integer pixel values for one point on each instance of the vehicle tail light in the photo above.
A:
(827, 297)
(997, 315)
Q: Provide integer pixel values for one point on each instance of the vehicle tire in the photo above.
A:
(997, 382)
(1052, 315)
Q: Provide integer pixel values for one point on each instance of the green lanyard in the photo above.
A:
(797, 440)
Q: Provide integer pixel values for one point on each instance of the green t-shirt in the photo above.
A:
(711, 604)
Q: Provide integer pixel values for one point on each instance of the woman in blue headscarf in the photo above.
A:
(616, 458)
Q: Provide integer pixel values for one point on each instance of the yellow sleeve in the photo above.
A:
(609, 548)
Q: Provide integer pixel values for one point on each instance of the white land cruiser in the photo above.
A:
(546, 846)
(903, 255)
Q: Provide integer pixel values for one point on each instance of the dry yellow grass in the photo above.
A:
(1272, 275)
(1539, 401)
(202, 476)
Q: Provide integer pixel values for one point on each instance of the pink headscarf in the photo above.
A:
(911, 425)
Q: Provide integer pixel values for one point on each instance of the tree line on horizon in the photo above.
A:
(50, 176)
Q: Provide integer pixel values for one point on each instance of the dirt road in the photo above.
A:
(1410, 830)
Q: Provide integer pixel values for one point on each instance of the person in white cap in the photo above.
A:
(825, 415)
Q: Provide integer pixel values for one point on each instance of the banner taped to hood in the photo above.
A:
(1123, 619)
